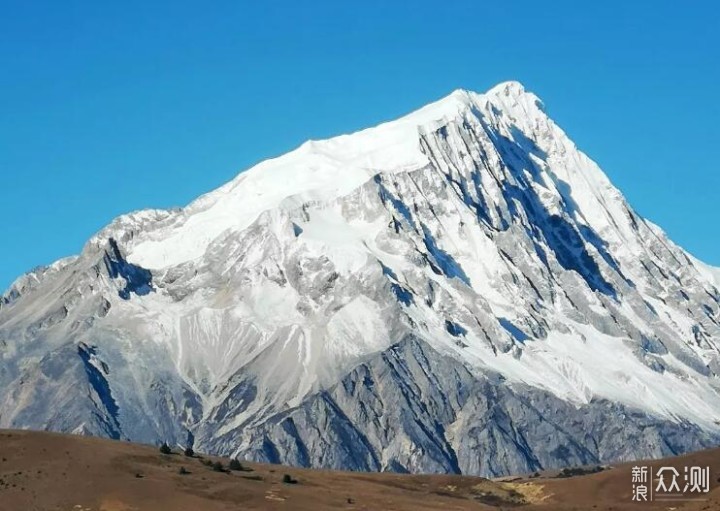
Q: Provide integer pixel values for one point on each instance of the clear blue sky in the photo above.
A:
(109, 107)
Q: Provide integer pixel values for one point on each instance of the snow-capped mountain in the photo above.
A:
(460, 290)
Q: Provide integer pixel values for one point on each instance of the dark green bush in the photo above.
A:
(287, 479)
(579, 471)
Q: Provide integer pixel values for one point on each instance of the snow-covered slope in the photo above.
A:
(458, 290)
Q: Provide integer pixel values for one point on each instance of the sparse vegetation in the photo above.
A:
(579, 471)
(218, 467)
(235, 465)
(168, 477)
(498, 494)
(165, 448)
(509, 498)
(288, 479)
(189, 452)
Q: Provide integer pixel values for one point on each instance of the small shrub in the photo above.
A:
(183, 471)
(490, 499)
(165, 448)
(578, 471)
(218, 467)
(207, 463)
(189, 452)
(287, 479)
(235, 465)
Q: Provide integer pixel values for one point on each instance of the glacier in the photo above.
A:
(461, 290)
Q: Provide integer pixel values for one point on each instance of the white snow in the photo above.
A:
(712, 273)
(577, 366)
(316, 171)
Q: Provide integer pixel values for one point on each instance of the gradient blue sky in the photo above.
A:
(109, 107)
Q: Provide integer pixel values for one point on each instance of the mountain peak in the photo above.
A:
(511, 97)
(508, 88)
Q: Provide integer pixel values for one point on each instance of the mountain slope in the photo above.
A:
(458, 290)
(47, 471)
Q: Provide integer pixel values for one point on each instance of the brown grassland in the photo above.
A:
(46, 471)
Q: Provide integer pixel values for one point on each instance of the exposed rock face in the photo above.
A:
(411, 409)
(460, 290)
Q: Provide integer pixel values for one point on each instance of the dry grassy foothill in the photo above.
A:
(47, 471)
